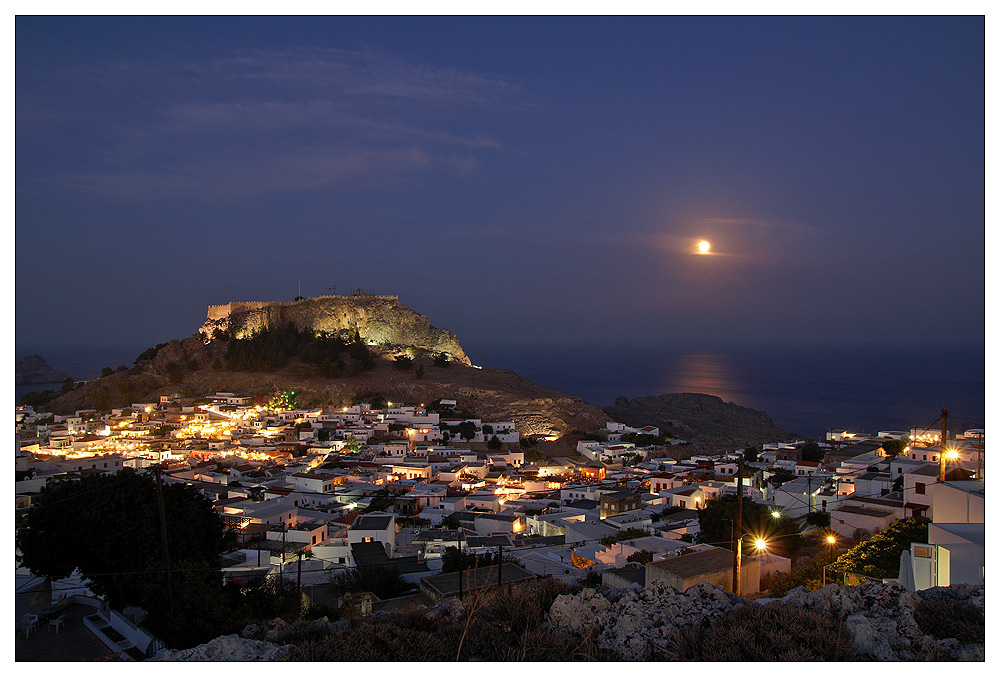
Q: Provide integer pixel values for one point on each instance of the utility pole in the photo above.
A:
(738, 551)
(944, 436)
(298, 579)
(281, 568)
(979, 464)
(500, 566)
(461, 562)
(163, 533)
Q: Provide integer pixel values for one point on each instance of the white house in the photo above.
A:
(374, 527)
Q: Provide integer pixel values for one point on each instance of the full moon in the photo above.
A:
(704, 246)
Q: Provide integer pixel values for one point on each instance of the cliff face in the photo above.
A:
(34, 369)
(380, 320)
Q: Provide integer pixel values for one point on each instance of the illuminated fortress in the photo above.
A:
(381, 320)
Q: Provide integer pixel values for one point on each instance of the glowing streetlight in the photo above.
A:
(831, 539)
(775, 514)
(952, 454)
(760, 544)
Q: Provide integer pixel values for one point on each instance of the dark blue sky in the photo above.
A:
(518, 181)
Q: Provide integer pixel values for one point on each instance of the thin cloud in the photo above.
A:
(211, 181)
(211, 129)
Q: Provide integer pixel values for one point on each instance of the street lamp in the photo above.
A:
(775, 514)
(760, 544)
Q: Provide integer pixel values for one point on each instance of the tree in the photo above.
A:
(718, 516)
(750, 454)
(419, 371)
(441, 360)
(107, 371)
(121, 367)
(811, 451)
(383, 581)
(68, 385)
(494, 443)
(37, 398)
(108, 527)
(780, 476)
(878, 556)
(818, 519)
(625, 535)
(893, 447)
(452, 560)
(376, 400)
(642, 557)
(402, 362)
(466, 429)
(149, 353)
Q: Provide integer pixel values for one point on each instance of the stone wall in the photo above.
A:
(379, 320)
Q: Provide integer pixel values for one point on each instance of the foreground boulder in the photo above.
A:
(228, 648)
(874, 621)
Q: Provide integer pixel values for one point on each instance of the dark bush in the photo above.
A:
(505, 625)
(946, 620)
(772, 632)
(376, 642)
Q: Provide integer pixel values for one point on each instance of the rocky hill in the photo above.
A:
(380, 320)
(700, 418)
(493, 394)
(34, 369)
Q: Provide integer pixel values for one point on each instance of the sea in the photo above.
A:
(805, 390)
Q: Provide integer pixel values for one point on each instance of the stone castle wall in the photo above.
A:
(379, 319)
(224, 310)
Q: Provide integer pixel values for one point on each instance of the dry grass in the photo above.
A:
(504, 624)
(774, 632)
(946, 620)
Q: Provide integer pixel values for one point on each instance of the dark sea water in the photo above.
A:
(804, 390)
(80, 363)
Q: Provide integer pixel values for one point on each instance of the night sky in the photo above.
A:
(538, 181)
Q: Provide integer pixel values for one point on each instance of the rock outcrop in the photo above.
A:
(878, 618)
(871, 621)
(700, 418)
(34, 369)
(380, 320)
(228, 648)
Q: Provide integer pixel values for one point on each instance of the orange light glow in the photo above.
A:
(704, 246)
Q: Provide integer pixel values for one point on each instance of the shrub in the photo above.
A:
(773, 632)
(945, 620)
(375, 642)
(502, 624)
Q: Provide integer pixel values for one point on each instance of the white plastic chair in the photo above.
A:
(57, 623)
(27, 624)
